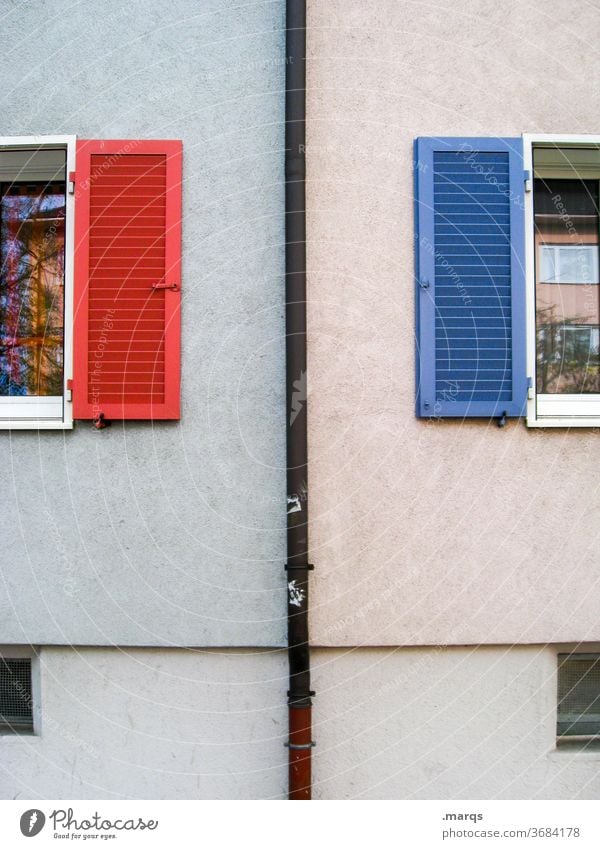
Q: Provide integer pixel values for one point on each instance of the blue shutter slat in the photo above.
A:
(454, 346)
(473, 365)
(475, 303)
(474, 210)
(464, 242)
(469, 185)
(472, 232)
(458, 323)
(489, 255)
(456, 166)
(457, 218)
(470, 277)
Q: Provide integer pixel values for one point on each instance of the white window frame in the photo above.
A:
(549, 410)
(27, 413)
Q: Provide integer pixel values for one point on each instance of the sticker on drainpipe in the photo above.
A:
(294, 505)
(297, 594)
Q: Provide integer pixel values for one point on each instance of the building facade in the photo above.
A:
(454, 560)
(142, 572)
(144, 562)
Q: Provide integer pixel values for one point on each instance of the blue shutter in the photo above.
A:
(470, 276)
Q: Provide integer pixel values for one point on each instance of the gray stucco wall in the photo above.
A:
(153, 724)
(443, 723)
(172, 533)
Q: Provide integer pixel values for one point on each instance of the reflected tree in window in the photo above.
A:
(32, 243)
(568, 354)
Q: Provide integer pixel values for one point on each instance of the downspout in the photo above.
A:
(299, 694)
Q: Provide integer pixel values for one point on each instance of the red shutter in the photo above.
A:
(127, 280)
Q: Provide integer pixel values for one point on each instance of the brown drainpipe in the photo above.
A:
(299, 695)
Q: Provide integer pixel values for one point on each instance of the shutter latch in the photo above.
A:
(71, 183)
(173, 286)
(527, 180)
(99, 422)
(530, 389)
(424, 284)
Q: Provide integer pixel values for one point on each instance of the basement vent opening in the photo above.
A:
(16, 707)
(578, 698)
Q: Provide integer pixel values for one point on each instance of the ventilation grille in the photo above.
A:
(473, 323)
(16, 709)
(578, 695)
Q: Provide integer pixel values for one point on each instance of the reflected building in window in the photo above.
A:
(567, 276)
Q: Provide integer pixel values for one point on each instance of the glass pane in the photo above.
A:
(567, 291)
(32, 244)
(547, 265)
(577, 264)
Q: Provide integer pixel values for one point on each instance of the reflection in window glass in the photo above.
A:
(567, 284)
(32, 242)
(568, 264)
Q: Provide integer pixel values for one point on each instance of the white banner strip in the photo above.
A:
(353, 825)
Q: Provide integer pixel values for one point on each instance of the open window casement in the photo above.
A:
(563, 291)
(507, 278)
(127, 280)
(470, 277)
(90, 287)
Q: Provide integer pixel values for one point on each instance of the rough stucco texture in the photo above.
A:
(452, 723)
(153, 724)
(432, 532)
(172, 533)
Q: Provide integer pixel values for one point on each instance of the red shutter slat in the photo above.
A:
(127, 238)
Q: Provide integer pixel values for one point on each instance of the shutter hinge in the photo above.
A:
(529, 389)
(527, 180)
(71, 183)
(70, 389)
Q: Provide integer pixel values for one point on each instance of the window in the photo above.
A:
(507, 273)
(578, 697)
(563, 284)
(35, 275)
(16, 698)
(90, 286)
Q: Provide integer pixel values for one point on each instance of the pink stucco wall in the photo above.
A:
(432, 532)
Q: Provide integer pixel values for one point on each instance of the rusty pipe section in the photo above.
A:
(299, 695)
